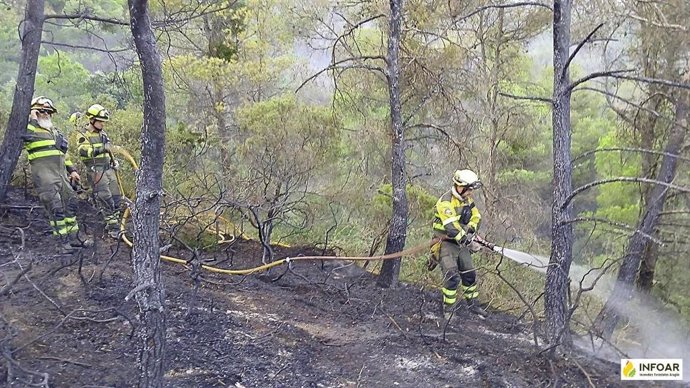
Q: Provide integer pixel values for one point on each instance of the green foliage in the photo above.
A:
(285, 139)
(10, 48)
(61, 78)
(320, 159)
(421, 203)
(618, 201)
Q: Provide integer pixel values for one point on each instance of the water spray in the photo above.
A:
(536, 263)
(645, 314)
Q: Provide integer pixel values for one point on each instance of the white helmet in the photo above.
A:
(467, 178)
(43, 104)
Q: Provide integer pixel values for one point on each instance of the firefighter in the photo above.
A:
(457, 221)
(53, 174)
(95, 152)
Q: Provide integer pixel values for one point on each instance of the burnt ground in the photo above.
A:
(319, 324)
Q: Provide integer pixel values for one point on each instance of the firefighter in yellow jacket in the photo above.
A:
(457, 221)
(95, 152)
(50, 167)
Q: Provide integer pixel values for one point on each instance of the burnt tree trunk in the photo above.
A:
(648, 136)
(645, 281)
(150, 293)
(557, 281)
(608, 318)
(398, 228)
(32, 29)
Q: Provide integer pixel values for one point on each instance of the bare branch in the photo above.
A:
(86, 47)
(502, 6)
(88, 17)
(57, 306)
(657, 81)
(621, 179)
(8, 287)
(192, 14)
(439, 129)
(613, 223)
(578, 48)
(530, 98)
(643, 150)
(65, 360)
(335, 65)
(355, 26)
(598, 74)
(625, 100)
(657, 24)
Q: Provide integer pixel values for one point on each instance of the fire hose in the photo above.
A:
(288, 260)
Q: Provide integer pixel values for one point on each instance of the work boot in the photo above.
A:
(475, 307)
(64, 247)
(448, 311)
(113, 232)
(79, 241)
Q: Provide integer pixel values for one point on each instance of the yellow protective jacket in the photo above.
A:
(454, 216)
(92, 148)
(42, 143)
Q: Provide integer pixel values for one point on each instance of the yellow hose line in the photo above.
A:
(206, 267)
(260, 268)
(127, 156)
(276, 263)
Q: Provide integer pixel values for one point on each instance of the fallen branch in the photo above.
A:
(589, 379)
(11, 378)
(57, 306)
(62, 322)
(8, 287)
(65, 360)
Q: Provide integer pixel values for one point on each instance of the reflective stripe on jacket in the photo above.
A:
(42, 142)
(92, 148)
(454, 217)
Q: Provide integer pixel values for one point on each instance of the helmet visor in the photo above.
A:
(103, 115)
(475, 185)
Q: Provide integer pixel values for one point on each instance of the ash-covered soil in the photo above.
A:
(317, 324)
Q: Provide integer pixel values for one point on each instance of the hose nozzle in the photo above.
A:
(484, 243)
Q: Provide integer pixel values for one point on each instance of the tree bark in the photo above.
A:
(32, 30)
(557, 281)
(649, 167)
(150, 295)
(608, 318)
(645, 281)
(397, 233)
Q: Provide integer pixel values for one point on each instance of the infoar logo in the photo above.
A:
(629, 370)
(652, 369)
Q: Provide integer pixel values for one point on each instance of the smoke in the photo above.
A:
(652, 330)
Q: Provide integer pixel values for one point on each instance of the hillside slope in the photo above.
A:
(316, 325)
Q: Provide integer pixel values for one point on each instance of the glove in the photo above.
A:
(468, 237)
(465, 240)
(114, 164)
(61, 143)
